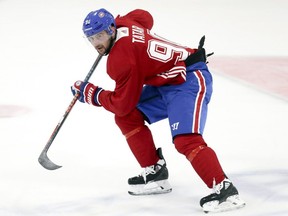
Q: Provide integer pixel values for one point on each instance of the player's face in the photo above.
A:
(100, 41)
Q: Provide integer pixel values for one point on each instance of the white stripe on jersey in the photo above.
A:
(174, 72)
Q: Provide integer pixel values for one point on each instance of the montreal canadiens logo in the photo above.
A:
(101, 14)
(78, 83)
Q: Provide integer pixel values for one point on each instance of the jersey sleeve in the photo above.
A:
(128, 88)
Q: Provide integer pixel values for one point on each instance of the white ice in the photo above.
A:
(42, 52)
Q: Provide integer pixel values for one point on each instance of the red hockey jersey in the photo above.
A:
(140, 57)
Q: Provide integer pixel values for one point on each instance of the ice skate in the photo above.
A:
(224, 198)
(153, 180)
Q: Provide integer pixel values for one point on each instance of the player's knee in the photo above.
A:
(189, 145)
(130, 122)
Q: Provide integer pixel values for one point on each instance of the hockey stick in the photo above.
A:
(43, 158)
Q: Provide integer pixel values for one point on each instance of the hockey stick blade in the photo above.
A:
(46, 162)
(43, 158)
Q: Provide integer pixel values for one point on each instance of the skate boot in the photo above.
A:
(153, 180)
(224, 198)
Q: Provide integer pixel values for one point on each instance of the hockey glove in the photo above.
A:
(199, 55)
(88, 93)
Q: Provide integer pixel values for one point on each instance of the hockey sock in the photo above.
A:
(143, 148)
(139, 137)
(203, 159)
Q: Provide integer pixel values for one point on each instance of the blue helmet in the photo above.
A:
(97, 21)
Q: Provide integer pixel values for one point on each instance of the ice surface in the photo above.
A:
(43, 53)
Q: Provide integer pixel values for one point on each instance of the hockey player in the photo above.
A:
(156, 79)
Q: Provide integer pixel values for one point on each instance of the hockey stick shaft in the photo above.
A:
(43, 158)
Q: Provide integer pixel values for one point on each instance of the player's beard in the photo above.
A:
(111, 43)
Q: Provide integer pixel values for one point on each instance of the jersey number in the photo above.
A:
(164, 51)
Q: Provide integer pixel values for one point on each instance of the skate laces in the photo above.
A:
(152, 169)
(217, 188)
(148, 170)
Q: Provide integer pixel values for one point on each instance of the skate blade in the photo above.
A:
(232, 203)
(151, 188)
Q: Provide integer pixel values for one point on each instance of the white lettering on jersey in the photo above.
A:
(138, 34)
